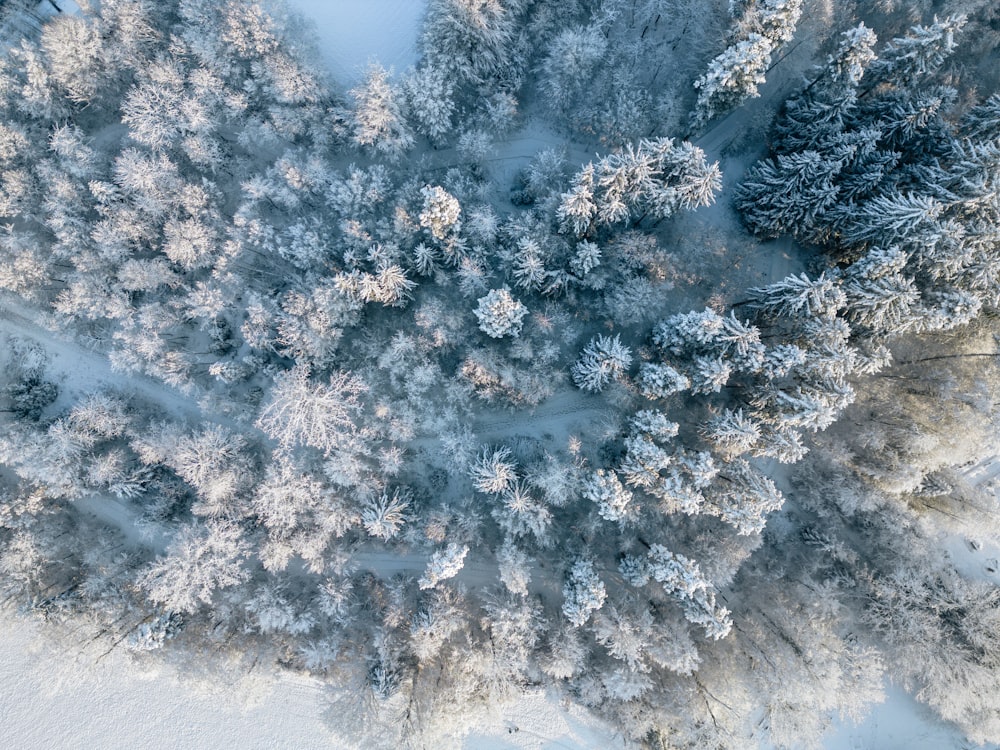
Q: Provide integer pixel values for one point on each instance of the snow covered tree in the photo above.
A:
(603, 359)
(583, 594)
(613, 500)
(801, 297)
(654, 177)
(732, 78)
(682, 579)
(441, 212)
(500, 314)
(564, 657)
(515, 571)
(789, 194)
(445, 563)
(745, 497)
(201, 560)
(472, 40)
(919, 53)
(301, 411)
(379, 121)
(216, 463)
(430, 103)
(732, 433)
(586, 258)
(569, 67)
(528, 267)
(661, 380)
(30, 395)
(150, 636)
(384, 515)
(644, 460)
(775, 19)
(494, 473)
(577, 209)
(849, 62)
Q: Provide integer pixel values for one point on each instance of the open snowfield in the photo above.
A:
(58, 695)
(353, 33)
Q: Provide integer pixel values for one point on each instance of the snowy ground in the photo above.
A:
(898, 724)
(116, 703)
(353, 33)
(113, 702)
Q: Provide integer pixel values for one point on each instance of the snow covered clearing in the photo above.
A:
(62, 696)
(898, 724)
(116, 702)
(353, 33)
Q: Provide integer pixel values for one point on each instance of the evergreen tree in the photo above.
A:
(583, 594)
(603, 359)
(379, 120)
(732, 78)
(919, 53)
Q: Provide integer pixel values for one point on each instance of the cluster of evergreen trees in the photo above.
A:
(872, 163)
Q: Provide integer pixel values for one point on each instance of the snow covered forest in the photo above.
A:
(640, 351)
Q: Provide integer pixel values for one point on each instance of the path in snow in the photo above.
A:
(83, 371)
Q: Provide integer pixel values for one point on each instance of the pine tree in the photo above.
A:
(472, 40)
(745, 497)
(732, 78)
(919, 53)
(654, 177)
(732, 433)
(494, 473)
(384, 515)
(603, 359)
(849, 62)
(613, 500)
(577, 210)
(441, 212)
(801, 297)
(430, 100)
(570, 65)
(661, 380)
(789, 194)
(681, 578)
(379, 121)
